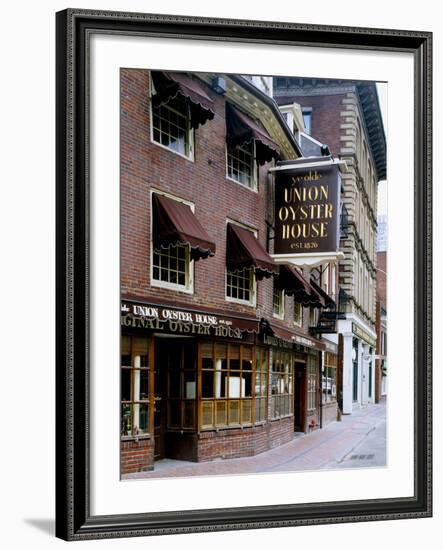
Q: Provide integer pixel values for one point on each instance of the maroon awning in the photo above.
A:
(241, 129)
(169, 85)
(175, 223)
(292, 281)
(243, 250)
(294, 284)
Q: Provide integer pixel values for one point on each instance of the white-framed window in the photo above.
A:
(172, 267)
(171, 126)
(313, 317)
(307, 119)
(298, 314)
(278, 303)
(240, 286)
(325, 279)
(241, 165)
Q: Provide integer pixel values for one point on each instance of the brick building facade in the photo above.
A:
(217, 357)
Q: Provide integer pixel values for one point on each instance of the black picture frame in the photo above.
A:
(74, 521)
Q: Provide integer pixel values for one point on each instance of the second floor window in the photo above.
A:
(172, 266)
(171, 125)
(298, 314)
(278, 303)
(241, 165)
(240, 285)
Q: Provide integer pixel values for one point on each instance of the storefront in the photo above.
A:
(329, 384)
(358, 376)
(201, 385)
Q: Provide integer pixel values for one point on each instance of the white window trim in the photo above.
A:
(191, 133)
(189, 287)
(254, 188)
(313, 316)
(281, 314)
(300, 324)
(253, 301)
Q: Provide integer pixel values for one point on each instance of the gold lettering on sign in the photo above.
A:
(306, 210)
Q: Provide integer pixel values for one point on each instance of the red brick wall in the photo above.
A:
(326, 118)
(237, 443)
(329, 413)
(145, 165)
(136, 455)
(381, 277)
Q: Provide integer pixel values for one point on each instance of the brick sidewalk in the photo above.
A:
(359, 440)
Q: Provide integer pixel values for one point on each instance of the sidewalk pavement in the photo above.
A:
(357, 441)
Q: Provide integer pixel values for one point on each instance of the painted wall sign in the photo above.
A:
(363, 335)
(296, 342)
(307, 210)
(180, 321)
(277, 342)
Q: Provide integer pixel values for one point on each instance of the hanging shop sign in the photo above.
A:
(184, 322)
(307, 211)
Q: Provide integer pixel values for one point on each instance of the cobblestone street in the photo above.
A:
(358, 441)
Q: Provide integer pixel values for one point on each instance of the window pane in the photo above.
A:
(143, 418)
(220, 351)
(220, 413)
(169, 265)
(241, 164)
(239, 284)
(140, 346)
(207, 413)
(125, 385)
(257, 388)
(126, 346)
(207, 363)
(126, 420)
(125, 360)
(246, 410)
(234, 411)
(207, 384)
(144, 384)
(247, 358)
(247, 377)
(206, 350)
(189, 414)
(263, 383)
(140, 418)
(170, 123)
(190, 386)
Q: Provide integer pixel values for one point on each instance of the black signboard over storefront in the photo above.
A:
(307, 207)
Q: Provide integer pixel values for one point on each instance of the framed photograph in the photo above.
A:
(243, 274)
